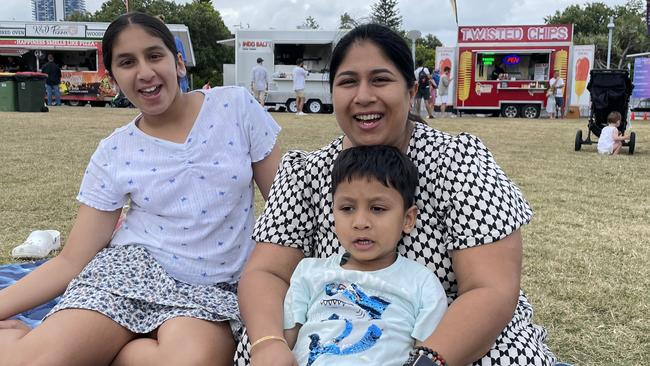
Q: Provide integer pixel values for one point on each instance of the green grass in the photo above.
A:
(587, 250)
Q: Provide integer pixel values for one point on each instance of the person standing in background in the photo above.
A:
(259, 81)
(557, 84)
(299, 76)
(443, 89)
(423, 77)
(53, 72)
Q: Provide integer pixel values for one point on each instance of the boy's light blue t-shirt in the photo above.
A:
(361, 318)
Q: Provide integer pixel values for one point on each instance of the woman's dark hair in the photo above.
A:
(391, 44)
(151, 24)
(384, 163)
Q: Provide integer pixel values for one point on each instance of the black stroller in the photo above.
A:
(610, 91)
(121, 101)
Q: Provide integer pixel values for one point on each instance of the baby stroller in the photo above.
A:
(610, 91)
(121, 101)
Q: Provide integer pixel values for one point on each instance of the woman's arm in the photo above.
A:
(265, 169)
(261, 292)
(90, 233)
(488, 278)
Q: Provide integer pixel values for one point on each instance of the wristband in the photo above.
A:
(424, 356)
(268, 338)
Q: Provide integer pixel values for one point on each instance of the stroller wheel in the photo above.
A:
(631, 143)
(578, 140)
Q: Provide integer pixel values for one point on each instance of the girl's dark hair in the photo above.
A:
(152, 25)
(391, 44)
(384, 163)
(613, 117)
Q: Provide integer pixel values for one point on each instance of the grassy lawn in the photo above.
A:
(587, 250)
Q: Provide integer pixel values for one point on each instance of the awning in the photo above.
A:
(12, 51)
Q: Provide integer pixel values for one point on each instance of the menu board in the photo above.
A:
(641, 78)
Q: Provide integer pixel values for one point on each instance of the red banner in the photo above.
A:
(516, 33)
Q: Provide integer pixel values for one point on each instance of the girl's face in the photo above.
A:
(145, 70)
(371, 98)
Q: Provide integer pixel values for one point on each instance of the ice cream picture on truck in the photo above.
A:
(77, 50)
(506, 70)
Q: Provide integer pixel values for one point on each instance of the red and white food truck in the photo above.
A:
(76, 47)
(506, 69)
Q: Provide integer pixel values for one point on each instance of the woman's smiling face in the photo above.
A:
(145, 70)
(371, 98)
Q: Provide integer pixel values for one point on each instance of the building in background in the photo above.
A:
(56, 10)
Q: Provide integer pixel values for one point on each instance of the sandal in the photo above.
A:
(38, 244)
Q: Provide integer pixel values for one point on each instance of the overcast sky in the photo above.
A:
(427, 16)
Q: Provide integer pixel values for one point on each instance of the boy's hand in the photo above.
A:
(272, 353)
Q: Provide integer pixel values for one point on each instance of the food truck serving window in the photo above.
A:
(512, 65)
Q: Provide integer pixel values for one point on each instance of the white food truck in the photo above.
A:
(280, 50)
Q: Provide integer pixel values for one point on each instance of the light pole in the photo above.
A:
(413, 36)
(610, 26)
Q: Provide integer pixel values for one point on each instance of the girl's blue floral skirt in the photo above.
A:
(126, 284)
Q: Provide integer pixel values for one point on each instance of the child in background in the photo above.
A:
(369, 306)
(162, 289)
(611, 140)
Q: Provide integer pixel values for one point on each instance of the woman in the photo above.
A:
(467, 230)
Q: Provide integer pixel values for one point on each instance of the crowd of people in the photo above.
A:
(395, 244)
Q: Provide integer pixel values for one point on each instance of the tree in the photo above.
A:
(425, 50)
(386, 12)
(309, 23)
(590, 27)
(347, 22)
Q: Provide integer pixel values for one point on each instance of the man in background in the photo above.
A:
(423, 76)
(53, 80)
(299, 76)
(557, 85)
(259, 81)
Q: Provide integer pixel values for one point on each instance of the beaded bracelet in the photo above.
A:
(419, 352)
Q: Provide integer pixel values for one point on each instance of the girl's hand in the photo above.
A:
(14, 324)
(272, 353)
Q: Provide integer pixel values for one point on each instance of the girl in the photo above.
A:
(467, 230)
(162, 289)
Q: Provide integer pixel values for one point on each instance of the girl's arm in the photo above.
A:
(261, 292)
(90, 233)
(265, 169)
(488, 290)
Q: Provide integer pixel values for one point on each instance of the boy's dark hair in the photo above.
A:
(447, 68)
(612, 117)
(384, 163)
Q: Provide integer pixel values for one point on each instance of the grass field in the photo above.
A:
(587, 250)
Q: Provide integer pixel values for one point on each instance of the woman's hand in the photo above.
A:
(488, 278)
(272, 353)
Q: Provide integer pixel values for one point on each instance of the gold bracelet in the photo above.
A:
(268, 338)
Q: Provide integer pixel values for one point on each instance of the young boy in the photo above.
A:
(369, 306)
(610, 140)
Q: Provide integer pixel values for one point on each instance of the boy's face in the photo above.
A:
(369, 219)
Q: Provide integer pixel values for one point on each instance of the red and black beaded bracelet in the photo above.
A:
(424, 356)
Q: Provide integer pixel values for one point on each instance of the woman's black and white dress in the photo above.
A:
(464, 200)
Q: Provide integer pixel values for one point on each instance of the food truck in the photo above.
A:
(77, 49)
(506, 69)
(280, 49)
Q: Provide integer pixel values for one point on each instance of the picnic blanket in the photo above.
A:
(9, 274)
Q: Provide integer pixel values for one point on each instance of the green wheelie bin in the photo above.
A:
(7, 92)
(30, 88)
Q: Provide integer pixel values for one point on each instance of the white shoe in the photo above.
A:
(38, 244)
(301, 113)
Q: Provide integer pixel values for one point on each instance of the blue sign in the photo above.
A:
(641, 79)
(511, 59)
